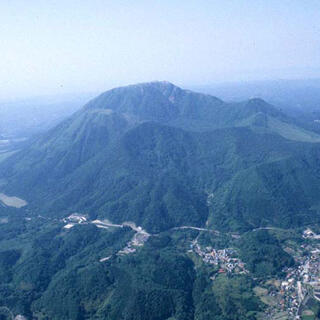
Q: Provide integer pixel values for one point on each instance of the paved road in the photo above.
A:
(195, 228)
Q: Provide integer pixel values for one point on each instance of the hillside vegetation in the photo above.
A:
(153, 153)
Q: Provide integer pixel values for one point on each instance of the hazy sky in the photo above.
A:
(50, 47)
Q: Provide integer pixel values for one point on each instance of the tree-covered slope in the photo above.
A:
(53, 273)
(154, 154)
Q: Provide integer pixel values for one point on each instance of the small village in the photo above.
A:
(288, 299)
(225, 258)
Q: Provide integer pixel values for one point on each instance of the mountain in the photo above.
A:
(289, 95)
(154, 153)
(298, 98)
(154, 202)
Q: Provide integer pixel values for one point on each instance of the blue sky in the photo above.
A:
(52, 47)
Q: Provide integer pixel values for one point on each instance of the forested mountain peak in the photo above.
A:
(147, 153)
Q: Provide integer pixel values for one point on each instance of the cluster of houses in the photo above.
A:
(291, 295)
(295, 288)
(223, 258)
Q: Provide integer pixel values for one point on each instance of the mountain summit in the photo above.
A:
(160, 101)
